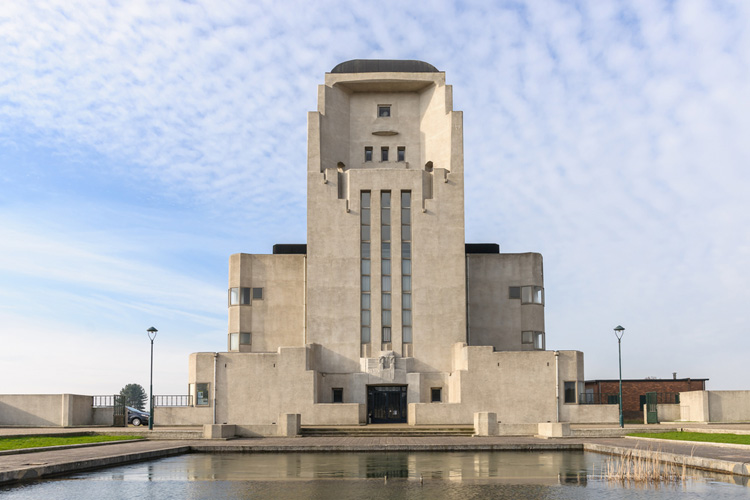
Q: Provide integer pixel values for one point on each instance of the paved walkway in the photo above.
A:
(35, 464)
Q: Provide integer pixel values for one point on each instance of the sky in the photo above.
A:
(142, 143)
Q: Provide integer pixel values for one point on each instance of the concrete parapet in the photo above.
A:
(289, 424)
(553, 429)
(485, 423)
(218, 431)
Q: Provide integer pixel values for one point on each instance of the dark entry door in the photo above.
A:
(386, 404)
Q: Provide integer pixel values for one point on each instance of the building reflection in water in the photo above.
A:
(547, 468)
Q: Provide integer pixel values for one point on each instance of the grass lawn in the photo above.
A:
(697, 436)
(16, 443)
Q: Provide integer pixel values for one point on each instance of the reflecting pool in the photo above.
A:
(451, 475)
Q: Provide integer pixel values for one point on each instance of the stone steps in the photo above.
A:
(376, 431)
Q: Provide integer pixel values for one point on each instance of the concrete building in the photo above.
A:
(386, 314)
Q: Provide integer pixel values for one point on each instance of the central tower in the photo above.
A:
(386, 267)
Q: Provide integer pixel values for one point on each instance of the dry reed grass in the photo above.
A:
(634, 467)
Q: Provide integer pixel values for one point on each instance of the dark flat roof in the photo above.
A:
(384, 66)
(290, 249)
(482, 248)
(647, 380)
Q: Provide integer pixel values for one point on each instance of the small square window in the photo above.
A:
(527, 337)
(384, 154)
(368, 153)
(401, 153)
(436, 394)
(514, 292)
(245, 339)
(384, 111)
(338, 395)
(257, 294)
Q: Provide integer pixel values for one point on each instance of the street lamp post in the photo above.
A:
(152, 335)
(619, 332)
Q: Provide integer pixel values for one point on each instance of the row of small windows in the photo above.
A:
(536, 338)
(436, 394)
(385, 153)
(527, 294)
(239, 338)
(243, 296)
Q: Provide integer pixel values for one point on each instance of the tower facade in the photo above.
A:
(386, 314)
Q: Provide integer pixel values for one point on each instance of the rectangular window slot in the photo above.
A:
(257, 294)
(436, 394)
(570, 392)
(338, 395)
(385, 265)
(201, 394)
(365, 235)
(384, 154)
(406, 266)
(368, 153)
(401, 153)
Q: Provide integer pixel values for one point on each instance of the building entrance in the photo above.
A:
(386, 404)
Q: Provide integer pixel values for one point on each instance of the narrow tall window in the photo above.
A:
(366, 270)
(406, 318)
(368, 153)
(384, 153)
(385, 264)
(401, 151)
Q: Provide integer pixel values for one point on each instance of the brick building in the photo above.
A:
(634, 392)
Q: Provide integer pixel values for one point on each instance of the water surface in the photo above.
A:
(409, 475)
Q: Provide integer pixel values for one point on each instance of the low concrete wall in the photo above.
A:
(336, 414)
(590, 414)
(728, 406)
(45, 410)
(665, 413)
(694, 406)
(183, 415)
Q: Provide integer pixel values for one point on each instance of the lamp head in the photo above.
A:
(152, 333)
(619, 331)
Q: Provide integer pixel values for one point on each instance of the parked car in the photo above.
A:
(136, 416)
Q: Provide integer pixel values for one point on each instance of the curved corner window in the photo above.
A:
(239, 296)
(535, 338)
(531, 295)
